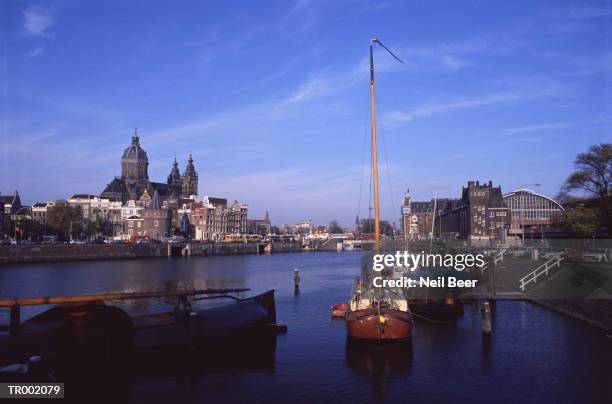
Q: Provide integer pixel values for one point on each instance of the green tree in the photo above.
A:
(593, 175)
(334, 227)
(59, 219)
(579, 219)
(367, 226)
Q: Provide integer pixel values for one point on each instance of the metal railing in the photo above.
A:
(499, 257)
(541, 270)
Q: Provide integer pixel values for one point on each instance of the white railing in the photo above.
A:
(499, 257)
(541, 270)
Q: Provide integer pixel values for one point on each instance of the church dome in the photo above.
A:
(134, 151)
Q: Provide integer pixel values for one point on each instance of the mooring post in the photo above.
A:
(486, 318)
(193, 330)
(15, 326)
(296, 279)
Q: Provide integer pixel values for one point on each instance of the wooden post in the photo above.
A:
(193, 330)
(486, 318)
(15, 327)
(296, 280)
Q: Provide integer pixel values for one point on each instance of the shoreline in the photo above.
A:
(95, 252)
(590, 311)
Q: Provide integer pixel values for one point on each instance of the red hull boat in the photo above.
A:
(340, 310)
(386, 325)
(377, 314)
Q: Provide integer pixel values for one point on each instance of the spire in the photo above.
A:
(135, 139)
(174, 178)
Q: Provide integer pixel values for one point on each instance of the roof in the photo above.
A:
(134, 151)
(7, 198)
(217, 201)
(83, 196)
(530, 192)
(24, 210)
(116, 186)
(40, 205)
(421, 207)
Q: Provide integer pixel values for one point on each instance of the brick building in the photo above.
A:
(480, 214)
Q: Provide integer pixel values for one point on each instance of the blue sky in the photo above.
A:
(271, 98)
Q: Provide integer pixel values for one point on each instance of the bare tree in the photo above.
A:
(594, 175)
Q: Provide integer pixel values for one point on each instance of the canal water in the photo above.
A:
(533, 355)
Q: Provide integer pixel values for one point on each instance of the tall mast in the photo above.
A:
(374, 151)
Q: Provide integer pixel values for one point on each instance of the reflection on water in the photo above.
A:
(380, 363)
(528, 358)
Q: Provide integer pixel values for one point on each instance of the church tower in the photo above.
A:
(175, 176)
(134, 162)
(190, 179)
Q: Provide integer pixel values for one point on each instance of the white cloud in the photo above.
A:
(507, 97)
(539, 127)
(36, 21)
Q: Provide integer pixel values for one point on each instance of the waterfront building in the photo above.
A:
(156, 223)
(10, 203)
(131, 208)
(133, 226)
(237, 218)
(531, 212)
(39, 213)
(304, 228)
(134, 179)
(212, 219)
(480, 214)
(417, 217)
(261, 227)
(87, 207)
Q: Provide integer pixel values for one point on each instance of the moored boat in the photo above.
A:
(86, 326)
(377, 314)
(340, 310)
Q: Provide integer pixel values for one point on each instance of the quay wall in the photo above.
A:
(597, 312)
(76, 252)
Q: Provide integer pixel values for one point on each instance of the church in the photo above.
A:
(134, 180)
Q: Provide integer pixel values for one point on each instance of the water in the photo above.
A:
(534, 355)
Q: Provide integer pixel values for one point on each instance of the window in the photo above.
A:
(139, 224)
(156, 223)
(131, 224)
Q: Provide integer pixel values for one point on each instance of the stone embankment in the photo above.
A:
(74, 252)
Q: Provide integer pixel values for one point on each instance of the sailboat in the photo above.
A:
(377, 314)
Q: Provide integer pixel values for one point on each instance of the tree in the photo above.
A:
(59, 219)
(593, 174)
(367, 226)
(334, 227)
(579, 219)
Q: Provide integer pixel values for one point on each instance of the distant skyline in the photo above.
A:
(271, 98)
